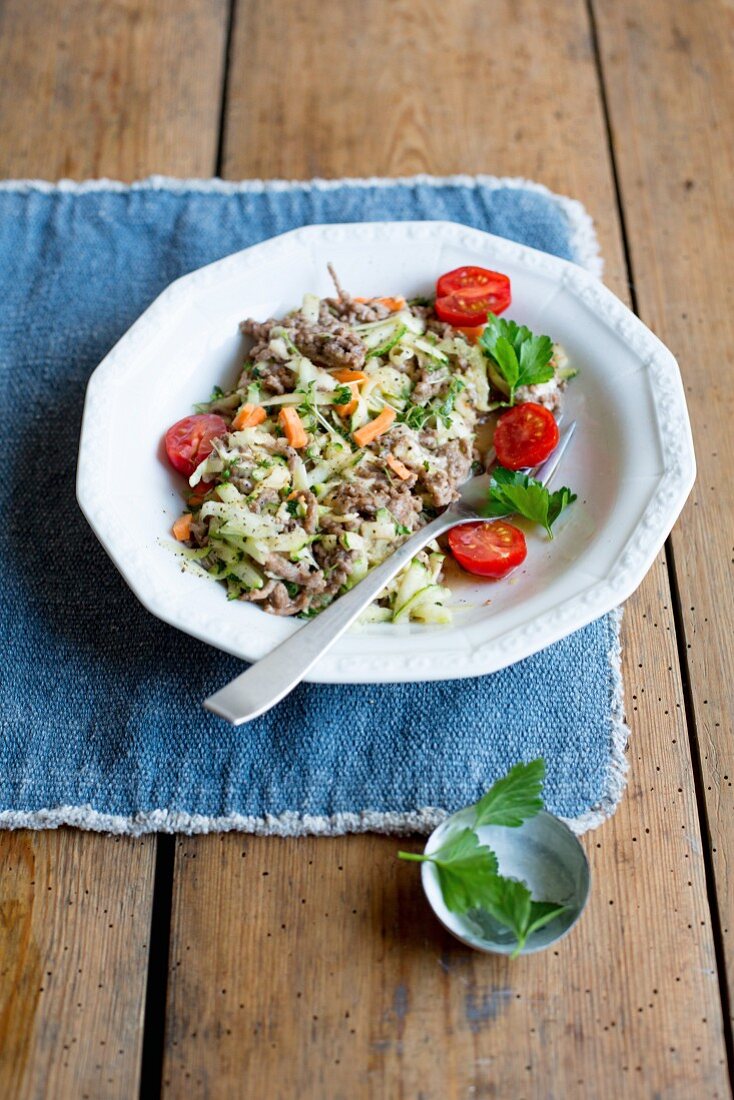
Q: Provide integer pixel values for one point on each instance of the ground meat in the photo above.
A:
(280, 602)
(429, 384)
(199, 533)
(243, 483)
(548, 394)
(337, 565)
(311, 519)
(259, 331)
(255, 595)
(295, 572)
(328, 341)
(319, 586)
(451, 467)
(274, 377)
(334, 524)
(282, 447)
(442, 330)
(432, 323)
(357, 313)
(268, 496)
(348, 309)
(367, 497)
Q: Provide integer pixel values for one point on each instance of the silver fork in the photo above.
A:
(265, 683)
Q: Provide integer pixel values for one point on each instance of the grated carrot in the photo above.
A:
(182, 527)
(393, 304)
(348, 408)
(292, 425)
(398, 467)
(380, 424)
(346, 375)
(249, 416)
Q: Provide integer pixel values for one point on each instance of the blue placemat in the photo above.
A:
(100, 704)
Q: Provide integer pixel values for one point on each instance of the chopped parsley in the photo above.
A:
(415, 416)
(446, 408)
(216, 394)
(343, 395)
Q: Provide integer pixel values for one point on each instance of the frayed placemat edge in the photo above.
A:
(584, 242)
(291, 823)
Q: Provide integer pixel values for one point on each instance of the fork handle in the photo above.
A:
(265, 683)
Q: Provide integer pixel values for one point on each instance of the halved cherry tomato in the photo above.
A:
(525, 435)
(488, 549)
(189, 441)
(466, 295)
(471, 278)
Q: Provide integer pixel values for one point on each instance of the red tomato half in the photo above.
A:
(488, 549)
(189, 441)
(525, 435)
(471, 278)
(466, 295)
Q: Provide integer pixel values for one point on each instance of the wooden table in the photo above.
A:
(228, 966)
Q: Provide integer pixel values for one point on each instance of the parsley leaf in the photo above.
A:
(464, 867)
(511, 904)
(514, 798)
(415, 416)
(521, 358)
(515, 492)
(446, 407)
(468, 871)
(215, 395)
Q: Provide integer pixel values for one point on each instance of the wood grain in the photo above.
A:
(117, 89)
(100, 88)
(74, 920)
(313, 967)
(394, 87)
(671, 99)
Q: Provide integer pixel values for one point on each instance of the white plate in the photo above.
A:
(631, 461)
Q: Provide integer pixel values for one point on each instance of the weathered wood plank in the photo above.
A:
(671, 99)
(74, 921)
(123, 89)
(392, 88)
(313, 967)
(90, 88)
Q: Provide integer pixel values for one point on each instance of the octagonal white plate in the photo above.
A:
(631, 461)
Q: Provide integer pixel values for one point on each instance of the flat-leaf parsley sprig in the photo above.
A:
(464, 867)
(514, 798)
(518, 493)
(520, 357)
(468, 872)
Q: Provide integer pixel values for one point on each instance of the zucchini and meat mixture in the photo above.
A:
(352, 424)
